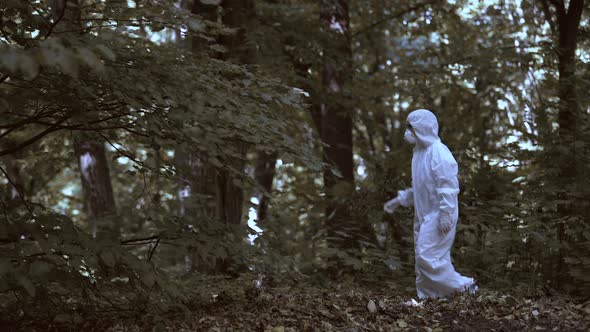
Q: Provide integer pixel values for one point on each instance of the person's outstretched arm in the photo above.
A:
(404, 198)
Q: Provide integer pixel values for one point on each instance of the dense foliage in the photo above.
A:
(149, 139)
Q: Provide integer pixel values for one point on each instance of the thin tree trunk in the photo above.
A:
(337, 114)
(265, 173)
(196, 188)
(16, 189)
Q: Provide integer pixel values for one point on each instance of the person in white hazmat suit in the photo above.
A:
(434, 192)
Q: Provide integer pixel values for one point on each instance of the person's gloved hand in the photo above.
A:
(391, 205)
(445, 223)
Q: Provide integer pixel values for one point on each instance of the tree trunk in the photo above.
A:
(92, 161)
(229, 194)
(196, 178)
(16, 189)
(196, 187)
(568, 24)
(236, 14)
(96, 182)
(337, 113)
(265, 173)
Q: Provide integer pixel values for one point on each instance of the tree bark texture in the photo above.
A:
(336, 122)
(265, 173)
(568, 24)
(96, 181)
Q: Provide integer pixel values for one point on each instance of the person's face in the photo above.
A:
(410, 128)
(410, 134)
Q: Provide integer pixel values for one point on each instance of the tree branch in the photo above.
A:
(61, 15)
(393, 17)
(144, 239)
(153, 249)
(147, 240)
(548, 17)
(35, 138)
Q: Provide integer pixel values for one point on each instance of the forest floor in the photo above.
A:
(232, 306)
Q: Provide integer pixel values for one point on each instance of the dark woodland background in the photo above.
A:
(150, 147)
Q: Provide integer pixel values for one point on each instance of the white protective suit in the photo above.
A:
(434, 192)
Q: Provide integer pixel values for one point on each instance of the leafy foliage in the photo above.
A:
(120, 72)
(46, 259)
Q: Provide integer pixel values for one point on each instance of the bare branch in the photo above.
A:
(60, 17)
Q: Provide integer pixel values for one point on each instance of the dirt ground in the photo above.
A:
(241, 306)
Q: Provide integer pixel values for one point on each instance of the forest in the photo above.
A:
(223, 165)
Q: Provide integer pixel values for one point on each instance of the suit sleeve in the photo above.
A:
(444, 168)
(406, 197)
